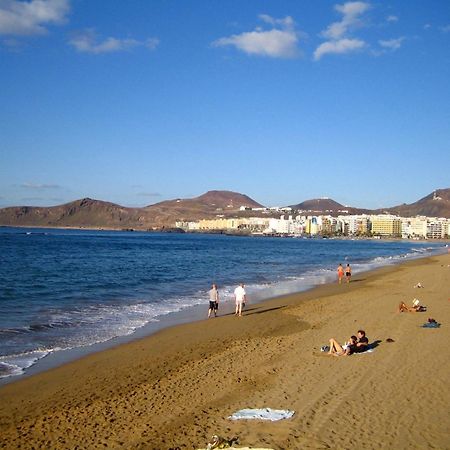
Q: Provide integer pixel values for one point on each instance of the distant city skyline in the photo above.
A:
(136, 103)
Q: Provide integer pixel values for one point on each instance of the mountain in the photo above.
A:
(79, 213)
(206, 206)
(326, 206)
(436, 204)
(90, 213)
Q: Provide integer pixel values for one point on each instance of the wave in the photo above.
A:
(84, 326)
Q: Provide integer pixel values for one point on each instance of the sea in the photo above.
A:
(69, 289)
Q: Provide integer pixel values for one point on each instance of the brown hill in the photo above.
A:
(326, 206)
(436, 204)
(205, 206)
(90, 213)
(79, 213)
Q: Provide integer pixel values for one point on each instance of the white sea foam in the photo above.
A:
(103, 322)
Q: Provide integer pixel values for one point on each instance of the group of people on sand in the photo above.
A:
(341, 273)
(240, 297)
(356, 344)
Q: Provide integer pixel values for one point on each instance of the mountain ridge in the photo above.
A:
(92, 213)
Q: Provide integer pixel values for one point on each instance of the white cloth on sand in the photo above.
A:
(369, 350)
(262, 414)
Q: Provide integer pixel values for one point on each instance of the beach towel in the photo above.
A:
(431, 325)
(369, 350)
(262, 414)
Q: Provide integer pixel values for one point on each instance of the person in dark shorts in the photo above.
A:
(348, 273)
(213, 300)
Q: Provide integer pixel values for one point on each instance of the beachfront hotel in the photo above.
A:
(381, 226)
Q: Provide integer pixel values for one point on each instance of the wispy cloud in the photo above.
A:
(25, 18)
(351, 18)
(338, 33)
(340, 46)
(148, 194)
(279, 42)
(445, 29)
(86, 41)
(392, 18)
(32, 199)
(392, 44)
(38, 186)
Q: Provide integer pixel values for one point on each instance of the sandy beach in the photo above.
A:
(178, 387)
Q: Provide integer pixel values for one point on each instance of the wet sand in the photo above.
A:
(178, 386)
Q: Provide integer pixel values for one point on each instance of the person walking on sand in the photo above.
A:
(340, 273)
(240, 297)
(213, 300)
(348, 273)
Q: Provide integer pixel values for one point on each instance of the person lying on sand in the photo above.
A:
(416, 307)
(347, 349)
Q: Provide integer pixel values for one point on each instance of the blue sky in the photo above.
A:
(140, 101)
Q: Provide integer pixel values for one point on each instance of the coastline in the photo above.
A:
(192, 313)
(178, 386)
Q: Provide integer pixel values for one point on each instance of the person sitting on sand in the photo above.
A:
(363, 342)
(347, 349)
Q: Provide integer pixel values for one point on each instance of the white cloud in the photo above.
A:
(392, 44)
(281, 42)
(392, 18)
(340, 46)
(337, 34)
(31, 17)
(351, 12)
(445, 29)
(86, 42)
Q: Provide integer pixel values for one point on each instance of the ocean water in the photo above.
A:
(63, 289)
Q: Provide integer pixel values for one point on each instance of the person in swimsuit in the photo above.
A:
(213, 300)
(340, 273)
(403, 307)
(348, 273)
(347, 349)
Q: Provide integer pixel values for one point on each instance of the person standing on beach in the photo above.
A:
(240, 297)
(340, 273)
(213, 300)
(348, 273)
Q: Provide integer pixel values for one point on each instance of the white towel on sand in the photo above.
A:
(262, 414)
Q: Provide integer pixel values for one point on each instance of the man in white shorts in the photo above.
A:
(240, 296)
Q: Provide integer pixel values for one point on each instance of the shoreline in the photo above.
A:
(193, 313)
(175, 230)
(178, 386)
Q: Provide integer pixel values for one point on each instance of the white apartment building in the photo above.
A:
(414, 227)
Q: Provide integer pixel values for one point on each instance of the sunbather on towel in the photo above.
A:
(347, 349)
(417, 307)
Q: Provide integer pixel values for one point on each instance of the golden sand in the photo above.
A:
(178, 387)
